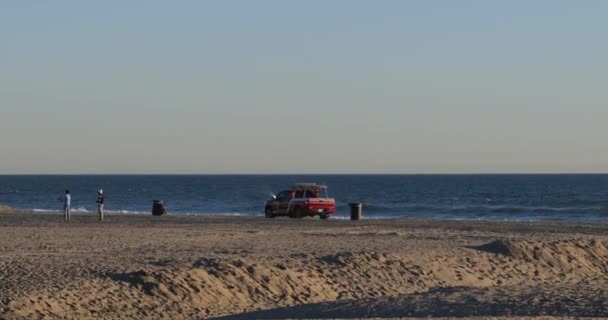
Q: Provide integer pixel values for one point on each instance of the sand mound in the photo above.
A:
(213, 286)
(578, 255)
(220, 286)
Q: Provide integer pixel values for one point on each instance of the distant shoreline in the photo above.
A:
(5, 210)
(35, 218)
(315, 174)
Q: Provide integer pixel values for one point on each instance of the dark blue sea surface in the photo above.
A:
(485, 197)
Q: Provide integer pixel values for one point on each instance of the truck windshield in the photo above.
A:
(319, 193)
(305, 194)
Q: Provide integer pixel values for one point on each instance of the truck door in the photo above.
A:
(282, 202)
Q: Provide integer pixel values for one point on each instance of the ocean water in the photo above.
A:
(479, 197)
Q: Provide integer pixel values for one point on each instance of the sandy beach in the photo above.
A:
(248, 267)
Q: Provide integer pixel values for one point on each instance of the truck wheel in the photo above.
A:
(298, 213)
(324, 216)
(268, 213)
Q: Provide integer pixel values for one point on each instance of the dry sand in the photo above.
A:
(193, 267)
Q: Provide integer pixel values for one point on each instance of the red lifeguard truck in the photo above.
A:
(302, 200)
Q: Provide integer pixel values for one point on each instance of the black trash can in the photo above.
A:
(356, 210)
(158, 208)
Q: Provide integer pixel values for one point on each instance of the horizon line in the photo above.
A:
(303, 174)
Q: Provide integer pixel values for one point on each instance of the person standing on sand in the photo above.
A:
(100, 204)
(67, 199)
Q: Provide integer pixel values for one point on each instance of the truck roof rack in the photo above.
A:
(309, 185)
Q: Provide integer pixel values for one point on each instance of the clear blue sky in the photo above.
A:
(307, 86)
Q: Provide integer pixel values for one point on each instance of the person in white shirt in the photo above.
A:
(67, 199)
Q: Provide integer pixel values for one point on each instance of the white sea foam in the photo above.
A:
(44, 210)
(74, 210)
(125, 212)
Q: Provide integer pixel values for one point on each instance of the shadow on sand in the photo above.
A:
(449, 302)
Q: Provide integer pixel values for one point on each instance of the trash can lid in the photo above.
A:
(355, 204)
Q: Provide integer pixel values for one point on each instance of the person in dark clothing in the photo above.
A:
(100, 204)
